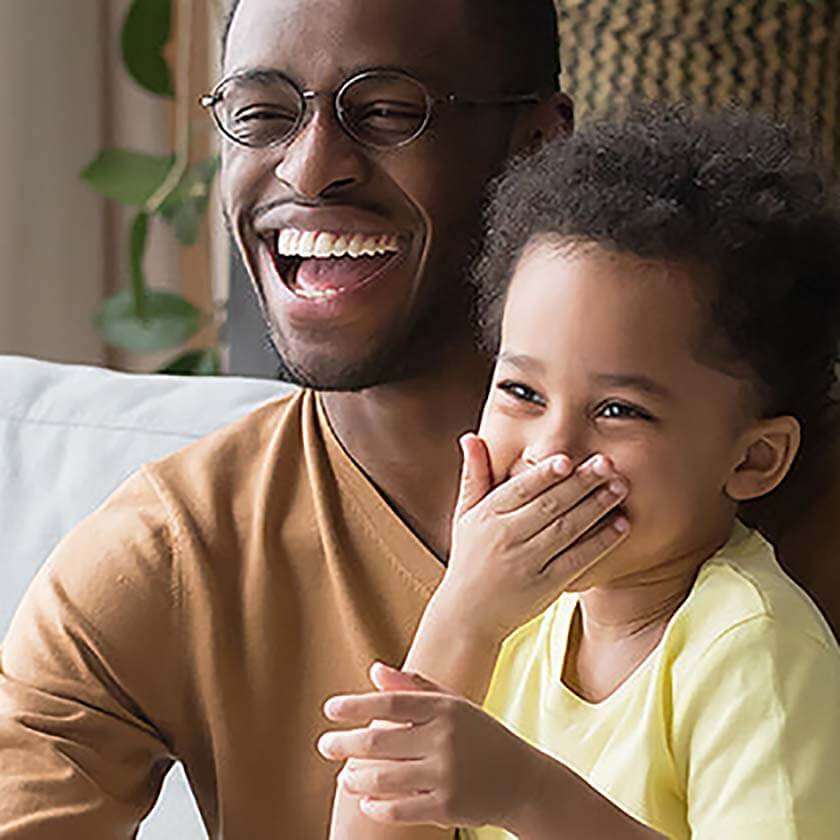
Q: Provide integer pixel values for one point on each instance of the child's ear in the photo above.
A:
(766, 457)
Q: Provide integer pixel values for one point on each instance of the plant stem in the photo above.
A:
(182, 109)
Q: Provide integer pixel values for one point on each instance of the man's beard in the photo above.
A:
(442, 323)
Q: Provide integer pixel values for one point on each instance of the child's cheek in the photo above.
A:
(656, 487)
(502, 461)
(503, 448)
(644, 480)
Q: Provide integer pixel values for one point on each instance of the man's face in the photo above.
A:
(599, 355)
(342, 322)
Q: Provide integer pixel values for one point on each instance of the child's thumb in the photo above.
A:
(475, 473)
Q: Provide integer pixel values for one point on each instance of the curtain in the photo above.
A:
(65, 96)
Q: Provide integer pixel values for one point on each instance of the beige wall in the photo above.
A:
(52, 229)
(63, 97)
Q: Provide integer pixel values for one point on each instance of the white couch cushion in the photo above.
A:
(69, 436)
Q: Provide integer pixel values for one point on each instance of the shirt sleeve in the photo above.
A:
(757, 736)
(88, 683)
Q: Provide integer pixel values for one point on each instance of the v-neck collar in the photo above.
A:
(407, 550)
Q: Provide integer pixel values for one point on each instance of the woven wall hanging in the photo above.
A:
(779, 56)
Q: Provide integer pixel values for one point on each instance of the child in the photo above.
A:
(662, 294)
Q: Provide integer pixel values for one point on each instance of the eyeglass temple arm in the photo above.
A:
(517, 99)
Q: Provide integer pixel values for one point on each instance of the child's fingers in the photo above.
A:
(371, 743)
(566, 567)
(416, 707)
(476, 477)
(518, 491)
(534, 501)
(386, 778)
(565, 513)
(420, 808)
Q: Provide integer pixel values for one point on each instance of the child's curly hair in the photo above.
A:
(733, 192)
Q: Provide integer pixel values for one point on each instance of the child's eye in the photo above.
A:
(621, 411)
(521, 392)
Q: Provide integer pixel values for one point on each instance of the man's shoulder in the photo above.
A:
(198, 486)
(213, 495)
(230, 455)
(198, 496)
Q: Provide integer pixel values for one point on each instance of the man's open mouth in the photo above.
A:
(318, 265)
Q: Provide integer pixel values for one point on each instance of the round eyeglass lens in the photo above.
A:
(259, 112)
(383, 110)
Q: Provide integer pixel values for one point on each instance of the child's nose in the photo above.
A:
(557, 444)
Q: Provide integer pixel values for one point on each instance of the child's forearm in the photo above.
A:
(450, 650)
(558, 804)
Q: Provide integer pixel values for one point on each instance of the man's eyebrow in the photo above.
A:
(264, 73)
(256, 74)
(527, 363)
(634, 380)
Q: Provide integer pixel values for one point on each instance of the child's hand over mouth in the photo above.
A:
(515, 548)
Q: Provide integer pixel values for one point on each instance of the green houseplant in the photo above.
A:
(141, 319)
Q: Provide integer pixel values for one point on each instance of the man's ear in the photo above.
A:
(535, 125)
(766, 457)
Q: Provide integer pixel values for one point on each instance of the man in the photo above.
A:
(220, 596)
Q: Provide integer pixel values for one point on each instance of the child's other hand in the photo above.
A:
(515, 548)
(425, 755)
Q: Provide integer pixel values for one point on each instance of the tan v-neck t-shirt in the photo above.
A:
(204, 613)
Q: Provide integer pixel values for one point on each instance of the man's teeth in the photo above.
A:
(317, 294)
(307, 244)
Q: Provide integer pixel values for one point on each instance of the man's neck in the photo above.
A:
(404, 437)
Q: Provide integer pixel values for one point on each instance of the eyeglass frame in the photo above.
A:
(210, 100)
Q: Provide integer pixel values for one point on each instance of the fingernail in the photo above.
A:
(617, 487)
(598, 465)
(561, 465)
(622, 525)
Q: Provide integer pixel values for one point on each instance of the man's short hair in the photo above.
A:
(522, 37)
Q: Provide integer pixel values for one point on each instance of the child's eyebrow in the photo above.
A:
(520, 360)
(634, 380)
(616, 380)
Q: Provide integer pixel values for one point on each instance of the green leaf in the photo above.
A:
(144, 35)
(169, 321)
(186, 206)
(128, 177)
(195, 363)
(139, 234)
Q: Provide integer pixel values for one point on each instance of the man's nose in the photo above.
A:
(322, 160)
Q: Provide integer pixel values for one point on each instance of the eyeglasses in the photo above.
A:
(381, 109)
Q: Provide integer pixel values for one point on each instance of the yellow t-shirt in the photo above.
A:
(729, 730)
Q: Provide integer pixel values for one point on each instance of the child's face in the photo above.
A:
(596, 356)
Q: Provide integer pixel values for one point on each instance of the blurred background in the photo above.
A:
(70, 92)
(64, 248)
